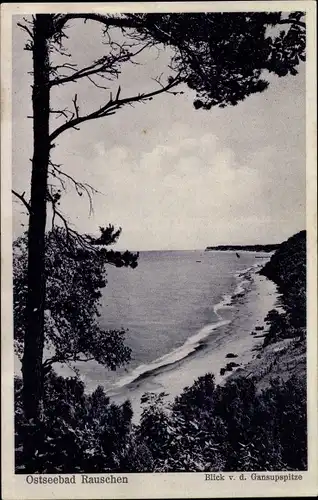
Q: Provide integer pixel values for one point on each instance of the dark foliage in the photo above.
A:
(288, 264)
(229, 428)
(223, 56)
(75, 276)
(246, 248)
(287, 268)
(78, 432)
(207, 428)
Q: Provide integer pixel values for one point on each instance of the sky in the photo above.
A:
(171, 176)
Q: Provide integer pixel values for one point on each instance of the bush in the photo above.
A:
(287, 268)
(206, 428)
(229, 428)
(77, 432)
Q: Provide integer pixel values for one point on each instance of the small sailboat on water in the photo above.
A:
(238, 255)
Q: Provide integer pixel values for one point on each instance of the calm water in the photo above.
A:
(164, 302)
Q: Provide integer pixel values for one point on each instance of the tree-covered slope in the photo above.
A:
(245, 248)
(287, 266)
(208, 428)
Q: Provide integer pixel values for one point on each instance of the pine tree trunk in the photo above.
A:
(34, 333)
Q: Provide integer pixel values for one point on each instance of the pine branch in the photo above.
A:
(60, 112)
(108, 21)
(73, 238)
(25, 28)
(82, 73)
(21, 198)
(81, 187)
(292, 21)
(63, 359)
(101, 66)
(112, 106)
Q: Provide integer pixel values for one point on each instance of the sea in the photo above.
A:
(171, 305)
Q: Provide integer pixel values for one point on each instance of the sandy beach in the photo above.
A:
(239, 316)
(242, 315)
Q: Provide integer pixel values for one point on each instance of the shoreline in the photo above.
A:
(194, 342)
(237, 314)
(244, 312)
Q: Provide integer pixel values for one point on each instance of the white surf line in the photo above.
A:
(190, 345)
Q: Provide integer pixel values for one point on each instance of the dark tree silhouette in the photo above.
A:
(74, 277)
(223, 57)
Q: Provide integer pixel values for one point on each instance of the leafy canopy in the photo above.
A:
(207, 428)
(75, 275)
(222, 56)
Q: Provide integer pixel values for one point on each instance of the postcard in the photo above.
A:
(158, 250)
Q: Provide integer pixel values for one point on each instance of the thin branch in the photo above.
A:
(158, 80)
(21, 198)
(48, 362)
(292, 21)
(64, 359)
(96, 84)
(106, 20)
(82, 73)
(57, 213)
(61, 112)
(76, 107)
(25, 28)
(71, 66)
(100, 66)
(93, 69)
(86, 359)
(62, 52)
(112, 106)
(72, 236)
(79, 186)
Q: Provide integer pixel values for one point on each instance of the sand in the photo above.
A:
(246, 313)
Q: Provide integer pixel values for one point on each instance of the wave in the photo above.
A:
(245, 272)
(225, 303)
(192, 344)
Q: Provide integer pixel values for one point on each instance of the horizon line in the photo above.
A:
(196, 249)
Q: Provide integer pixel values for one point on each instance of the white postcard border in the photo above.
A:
(157, 485)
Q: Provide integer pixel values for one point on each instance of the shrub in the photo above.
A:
(77, 432)
(207, 428)
(228, 428)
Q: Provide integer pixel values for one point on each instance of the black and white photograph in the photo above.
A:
(160, 241)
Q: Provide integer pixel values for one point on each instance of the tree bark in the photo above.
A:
(34, 333)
